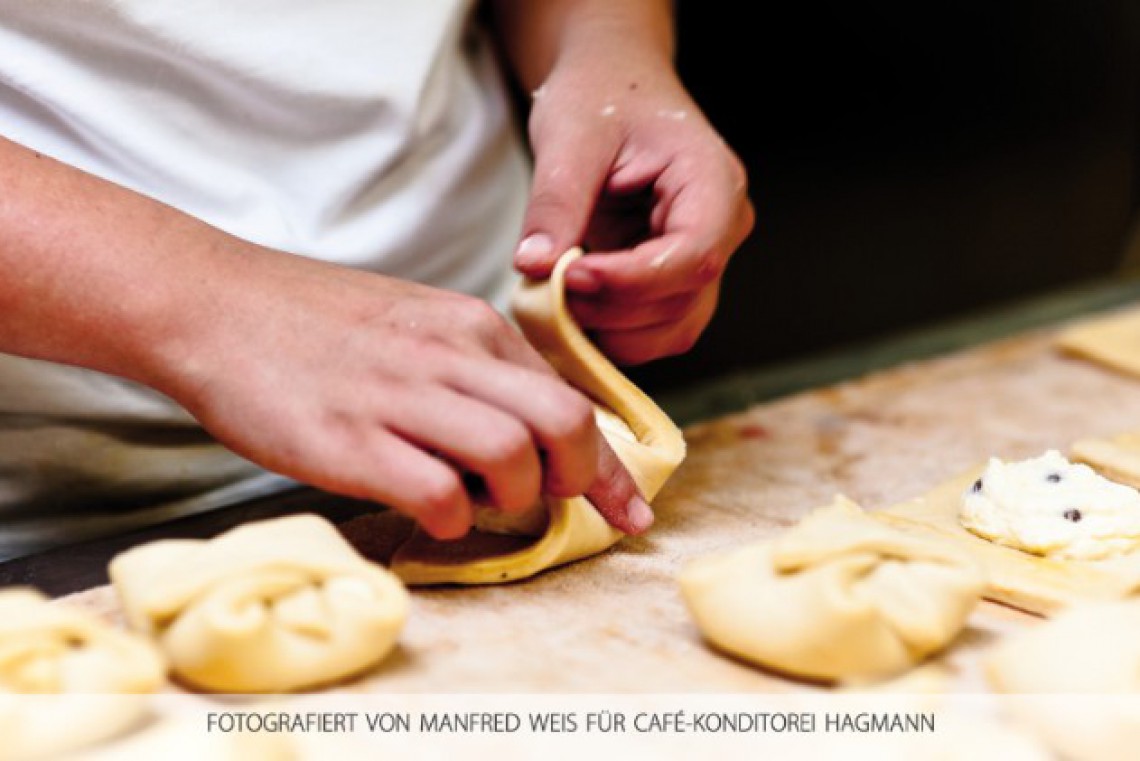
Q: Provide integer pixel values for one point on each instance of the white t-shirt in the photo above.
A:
(373, 133)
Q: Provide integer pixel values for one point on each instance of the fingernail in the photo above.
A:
(582, 280)
(534, 249)
(639, 513)
(448, 523)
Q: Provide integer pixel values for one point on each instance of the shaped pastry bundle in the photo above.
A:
(67, 680)
(642, 436)
(270, 606)
(838, 597)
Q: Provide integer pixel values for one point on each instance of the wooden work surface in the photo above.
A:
(616, 623)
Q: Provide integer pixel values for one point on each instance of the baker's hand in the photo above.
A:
(386, 390)
(627, 165)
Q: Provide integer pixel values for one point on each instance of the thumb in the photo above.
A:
(615, 496)
(572, 163)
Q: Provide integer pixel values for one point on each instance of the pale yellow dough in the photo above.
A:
(1113, 341)
(1075, 681)
(838, 597)
(643, 437)
(1116, 458)
(67, 680)
(270, 606)
(1035, 584)
(1091, 648)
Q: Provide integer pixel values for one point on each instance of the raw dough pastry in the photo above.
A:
(1052, 507)
(643, 437)
(1113, 341)
(269, 606)
(838, 597)
(1087, 649)
(1075, 681)
(1035, 584)
(1116, 458)
(67, 680)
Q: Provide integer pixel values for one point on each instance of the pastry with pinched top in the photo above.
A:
(838, 597)
(270, 606)
(67, 680)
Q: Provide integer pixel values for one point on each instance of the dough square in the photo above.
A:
(1113, 341)
(1029, 582)
(1117, 458)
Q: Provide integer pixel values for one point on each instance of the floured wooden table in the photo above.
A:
(616, 623)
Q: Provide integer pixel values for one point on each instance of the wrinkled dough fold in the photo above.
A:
(269, 606)
(838, 597)
(640, 433)
(67, 680)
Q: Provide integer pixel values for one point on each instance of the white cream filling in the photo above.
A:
(1050, 506)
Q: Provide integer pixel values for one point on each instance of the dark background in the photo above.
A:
(910, 161)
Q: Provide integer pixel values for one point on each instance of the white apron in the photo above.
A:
(373, 133)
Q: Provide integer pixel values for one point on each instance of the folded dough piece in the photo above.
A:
(643, 437)
(838, 597)
(67, 679)
(1113, 341)
(1075, 681)
(1035, 584)
(1117, 458)
(269, 606)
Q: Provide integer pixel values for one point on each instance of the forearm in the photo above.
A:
(537, 34)
(96, 275)
(362, 384)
